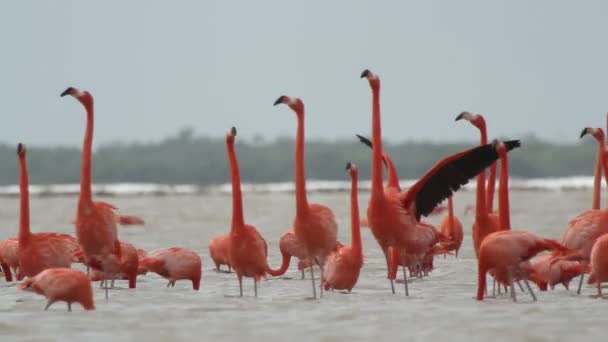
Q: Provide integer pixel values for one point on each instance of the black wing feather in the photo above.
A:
(455, 174)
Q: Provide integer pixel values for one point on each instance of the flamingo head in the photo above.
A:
(295, 103)
(231, 135)
(501, 148)
(352, 168)
(374, 80)
(21, 150)
(82, 96)
(28, 284)
(476, 120)
(597, 133)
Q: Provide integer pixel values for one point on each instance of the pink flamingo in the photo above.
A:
(129, 263)
(248, 249)
(544, 272)
(9, 258)
(342, 267)
(291, 247)
(599, 263)
(62, 284)
(394, 216)
(451, 227)
(95, 221)
(315, 224)
(38, 251)
(219, 246)
(175, 263)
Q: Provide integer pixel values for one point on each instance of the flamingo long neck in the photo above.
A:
(392, 176)
(597, 182)
(480, 204)
(491, 188)
(24, 214)
(377, 190)
(301, 199)
(237, 199)
(86, 196)
(504, 217)
(354, 216)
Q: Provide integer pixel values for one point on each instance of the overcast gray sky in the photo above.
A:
(157, 66)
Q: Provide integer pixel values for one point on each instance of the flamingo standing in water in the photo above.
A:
(505, 250)
(62, 285)
(291, 247)
(175, 263)
(451, 227)
(583, 230)
(9, 258)
(248, 249)
(599, 263)
(315, 224)
(219, 246)
(485, 222)
(129, 263)
(394, 216)
(342, 267)
(38, 251)
(95, 221)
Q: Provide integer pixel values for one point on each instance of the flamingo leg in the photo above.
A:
(521, 287)
(314, 287)
(407, 292)
(48, 305)
(101, 283)
(494, 287)
(240, 285)
(302, 274)
(513, 295)
(169, 283)
(69, 307)
(580, 284)
(388, 267)
(255, 287)
(530, 289)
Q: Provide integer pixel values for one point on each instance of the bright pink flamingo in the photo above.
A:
(62, 285)
(546, 273)
(485, 222)
(583, 230)
(394, 216)
(219, 252)
(174, 263)
(504, 251)
(599, 263)
(95, 221)
(291, 247)
(9, 258)
(38, 251)
(129, 263)
(248, 249)
(342, 267)
(315, 224)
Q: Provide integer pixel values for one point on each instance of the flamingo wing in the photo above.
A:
(448, 175)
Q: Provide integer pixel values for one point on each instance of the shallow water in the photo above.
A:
(439, 306)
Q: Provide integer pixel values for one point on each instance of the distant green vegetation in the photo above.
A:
(187, 158)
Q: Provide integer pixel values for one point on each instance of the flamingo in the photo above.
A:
(451, 227)
(342, 267)
(394, 216)
(503, 251)
(291, 247)
(129, 263)
(599, 263)
(95, 221)
(130, 220)
(544, 272)
(315, 224)
(9, 258)
(38, 251)
(485, 222)
(219, 246)
(248, 249)
(174, 263)
(584, 229)
(62, 284)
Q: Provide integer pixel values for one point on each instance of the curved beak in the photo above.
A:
(585, 131)
(348, 165)
(279, 100)
(233, 131)
(20, 148)
(365, 73)
(461, 116)
(67, 92)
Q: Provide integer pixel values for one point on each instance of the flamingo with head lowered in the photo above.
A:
(95, 220)
(315, 224)
(394, 216)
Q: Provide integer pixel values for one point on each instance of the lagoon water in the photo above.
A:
(440, 306)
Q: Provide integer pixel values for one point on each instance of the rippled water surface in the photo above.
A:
(440, 306)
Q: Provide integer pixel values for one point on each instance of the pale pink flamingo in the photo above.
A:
(62, 285)
(9, 258)
(315, 224)
(95, 221)
(174, 263)
(451, 227)
(342, 267)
